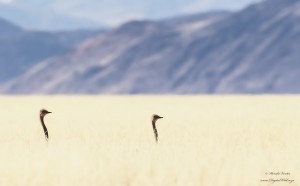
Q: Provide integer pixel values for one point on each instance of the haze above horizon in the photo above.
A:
(61, 15)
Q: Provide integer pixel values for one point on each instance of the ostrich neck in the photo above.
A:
(153, 123)
(42, 119)
(42, 122)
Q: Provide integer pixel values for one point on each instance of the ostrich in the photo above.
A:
(154, 119)
(43, 113)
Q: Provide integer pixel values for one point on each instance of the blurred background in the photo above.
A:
(150, 47)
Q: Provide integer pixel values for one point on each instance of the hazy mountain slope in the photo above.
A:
(92, 64)
(8, 28)
(255, 50)
(20, 50)
(188, 19)
(31, 18)
(106, 62)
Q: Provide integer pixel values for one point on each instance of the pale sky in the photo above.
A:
(114, 12)
(5, 1)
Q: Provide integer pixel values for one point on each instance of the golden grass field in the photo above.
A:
(108, 140)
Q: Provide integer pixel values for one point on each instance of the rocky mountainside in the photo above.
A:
(255, 50)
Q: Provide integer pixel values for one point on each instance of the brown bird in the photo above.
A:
(43, 113)
(154, 119)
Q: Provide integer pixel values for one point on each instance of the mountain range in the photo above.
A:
(21, 49)
(254, 50)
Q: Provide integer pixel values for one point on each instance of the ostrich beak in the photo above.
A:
(49, 112)
(160, 117)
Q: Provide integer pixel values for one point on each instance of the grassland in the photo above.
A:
(108, 140)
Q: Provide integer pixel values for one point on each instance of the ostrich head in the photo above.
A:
(155, 117)
(44, 112)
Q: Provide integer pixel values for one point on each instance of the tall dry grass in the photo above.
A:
(108, 140)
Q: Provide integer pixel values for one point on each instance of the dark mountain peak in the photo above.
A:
(135, 27)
